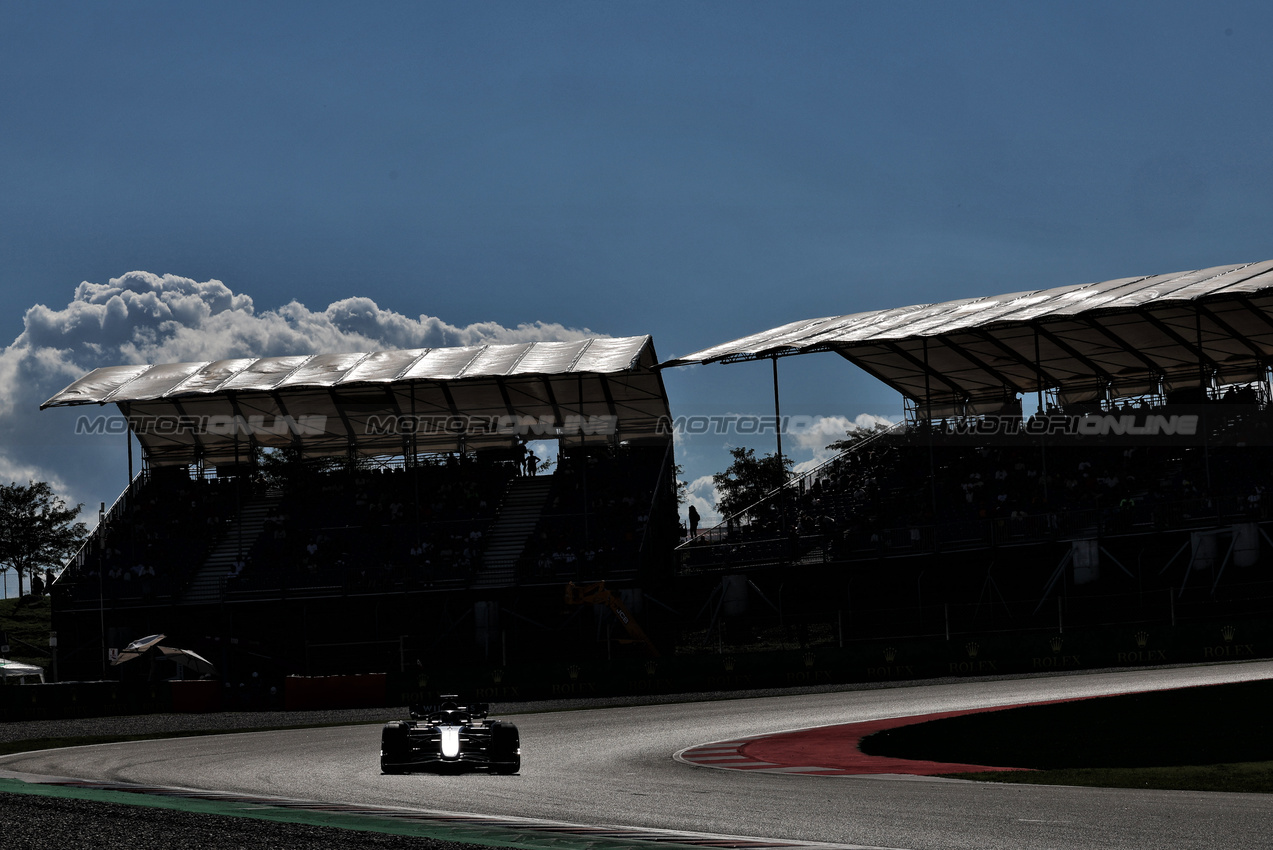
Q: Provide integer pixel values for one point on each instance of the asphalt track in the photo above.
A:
(616, 768)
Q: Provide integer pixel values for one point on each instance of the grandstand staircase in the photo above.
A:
(518, 516)
(208, 584)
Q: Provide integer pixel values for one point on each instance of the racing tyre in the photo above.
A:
(506, 746)
(395, 749)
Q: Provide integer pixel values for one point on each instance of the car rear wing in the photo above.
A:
(450, 702)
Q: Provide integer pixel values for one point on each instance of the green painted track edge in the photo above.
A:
(492, 836)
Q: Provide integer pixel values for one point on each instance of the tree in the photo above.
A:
(37, 528)
(682, 487)
(857, 434)
(748, 480)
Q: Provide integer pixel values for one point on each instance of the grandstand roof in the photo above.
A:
(974, 355)
(375, 403)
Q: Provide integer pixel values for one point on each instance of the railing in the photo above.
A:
(114, 512)
(1001, 630)
(760, 547)
(722, 529)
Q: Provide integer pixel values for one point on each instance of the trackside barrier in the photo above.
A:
(197, 696)
(302, 693)
(83, 699)
(107, 699)
(1037, 652)
(867, 661)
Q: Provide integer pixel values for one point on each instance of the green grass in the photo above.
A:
(1212, 738)
(1249, 777)
(27, 620)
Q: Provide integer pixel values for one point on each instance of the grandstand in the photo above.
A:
(1090, 456)
(1135, 492)
(358, 512)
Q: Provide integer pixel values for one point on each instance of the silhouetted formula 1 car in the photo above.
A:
(450, 736)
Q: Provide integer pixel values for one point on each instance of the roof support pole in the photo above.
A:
(415, 443)
(101, 569)
(194, 432)
(610, 406)
(1194, 347)
(928, 388)
(1038, 370)
(777, 413)
(1043, 440)
(583, 464)
(1119, 343)
(1013, 354)
(1233, 333)
(415, 468)
(552, 401)
(958, 393)
(392, 399)
(1204, 383)
(1073, 352)
(976, 361)
(932, 451)
(455, 413)
(782, 493)
(128, 435)
(132, 512)
(296, 434)
(351, 440)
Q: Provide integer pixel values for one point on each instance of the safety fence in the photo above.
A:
(826, 661)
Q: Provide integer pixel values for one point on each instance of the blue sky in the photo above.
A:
(695, 171)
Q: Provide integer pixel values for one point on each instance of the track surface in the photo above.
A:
(615, 767)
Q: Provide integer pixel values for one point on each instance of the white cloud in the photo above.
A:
(148, 318)
(12, 471)
(822, 431)
(701, 493)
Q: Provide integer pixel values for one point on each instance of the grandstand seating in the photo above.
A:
(150, 544)
(378, 527)
(597, 517)
(919, 489)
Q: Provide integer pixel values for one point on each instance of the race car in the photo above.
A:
(450, 736)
